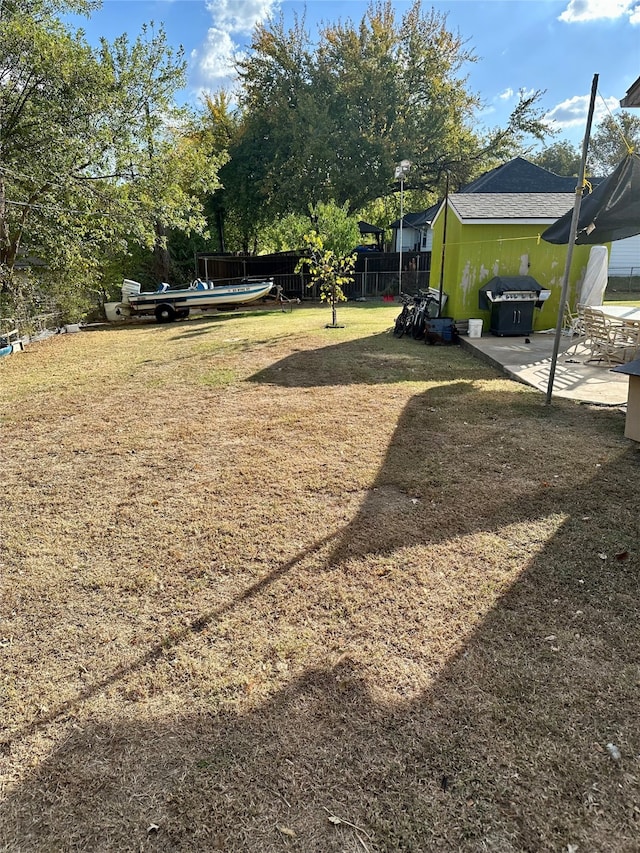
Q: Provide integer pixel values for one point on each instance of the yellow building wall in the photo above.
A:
(475, 253)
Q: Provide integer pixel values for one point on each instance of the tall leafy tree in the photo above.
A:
(93, 154)
(267, 173)
(329, 120)
(336, 226)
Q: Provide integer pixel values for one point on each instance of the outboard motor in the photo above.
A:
(130, 288)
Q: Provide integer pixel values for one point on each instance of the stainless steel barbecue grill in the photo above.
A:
(512, 301)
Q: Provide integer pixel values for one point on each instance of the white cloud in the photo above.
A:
(510, 94)
(573, 112)
(216, 59)
(240, 16)
(594, 10)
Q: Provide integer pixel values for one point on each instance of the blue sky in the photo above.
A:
(555, 45)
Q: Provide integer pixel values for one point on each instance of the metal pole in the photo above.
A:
(573, 230)
(444, 242)
(401, 218)
(401, 170)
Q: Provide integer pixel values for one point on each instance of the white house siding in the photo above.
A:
(413, 239)
(427, 240)
(409, 239)
(624, 257)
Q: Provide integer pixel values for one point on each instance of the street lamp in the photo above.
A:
(401, 170)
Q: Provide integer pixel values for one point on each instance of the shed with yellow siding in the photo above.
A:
(490, 234)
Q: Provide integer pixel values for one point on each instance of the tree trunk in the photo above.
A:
(220, 226)
(161, 258)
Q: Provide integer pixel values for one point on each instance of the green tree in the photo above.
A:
(336, 226)
(328, 270)
(267, 173)
(93, 155)
(223, 124)
(561, 158)
(611, 141)
(329, 119)
(329, 255)
(285, 234)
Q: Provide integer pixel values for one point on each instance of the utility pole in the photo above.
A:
(401, 170)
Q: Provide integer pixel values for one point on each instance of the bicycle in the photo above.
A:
(416, 310)
(404, 320)
(425, 308)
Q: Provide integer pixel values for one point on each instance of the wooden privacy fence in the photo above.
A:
(376, 273)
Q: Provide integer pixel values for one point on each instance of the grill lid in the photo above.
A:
(501, 284)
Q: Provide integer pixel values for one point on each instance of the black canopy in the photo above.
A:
(611, 212)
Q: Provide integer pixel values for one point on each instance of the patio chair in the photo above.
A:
(627, 339)
(606, 339)
(575, 326)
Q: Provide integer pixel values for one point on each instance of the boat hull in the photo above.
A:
(174, 304)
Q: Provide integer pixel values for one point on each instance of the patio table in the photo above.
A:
(626, 313)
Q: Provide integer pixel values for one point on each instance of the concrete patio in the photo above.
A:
(530, 363)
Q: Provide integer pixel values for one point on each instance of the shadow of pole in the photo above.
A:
(196, 626)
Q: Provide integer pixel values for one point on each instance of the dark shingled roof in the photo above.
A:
(367, 228)
(417, 220)
(517, 177)
(520, 176)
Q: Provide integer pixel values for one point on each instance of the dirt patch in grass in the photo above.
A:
(269, 586)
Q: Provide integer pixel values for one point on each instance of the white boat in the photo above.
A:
(167, 304)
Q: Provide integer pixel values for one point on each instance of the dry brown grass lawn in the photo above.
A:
(267, 586)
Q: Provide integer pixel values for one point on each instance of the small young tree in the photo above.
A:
(328, 270)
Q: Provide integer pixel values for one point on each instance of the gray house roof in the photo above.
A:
(497, 208)
(517, 177)
(417, 220)
(520, 176)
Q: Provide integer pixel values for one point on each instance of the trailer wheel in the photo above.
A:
(182, 314)
(165, 313)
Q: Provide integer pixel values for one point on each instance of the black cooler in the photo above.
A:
(512, 300)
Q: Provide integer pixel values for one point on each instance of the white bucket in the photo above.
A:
(475, 328)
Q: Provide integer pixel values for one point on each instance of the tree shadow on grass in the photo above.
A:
(503, 750)
(376, 359)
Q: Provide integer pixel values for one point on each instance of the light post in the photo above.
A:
(401, 170)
